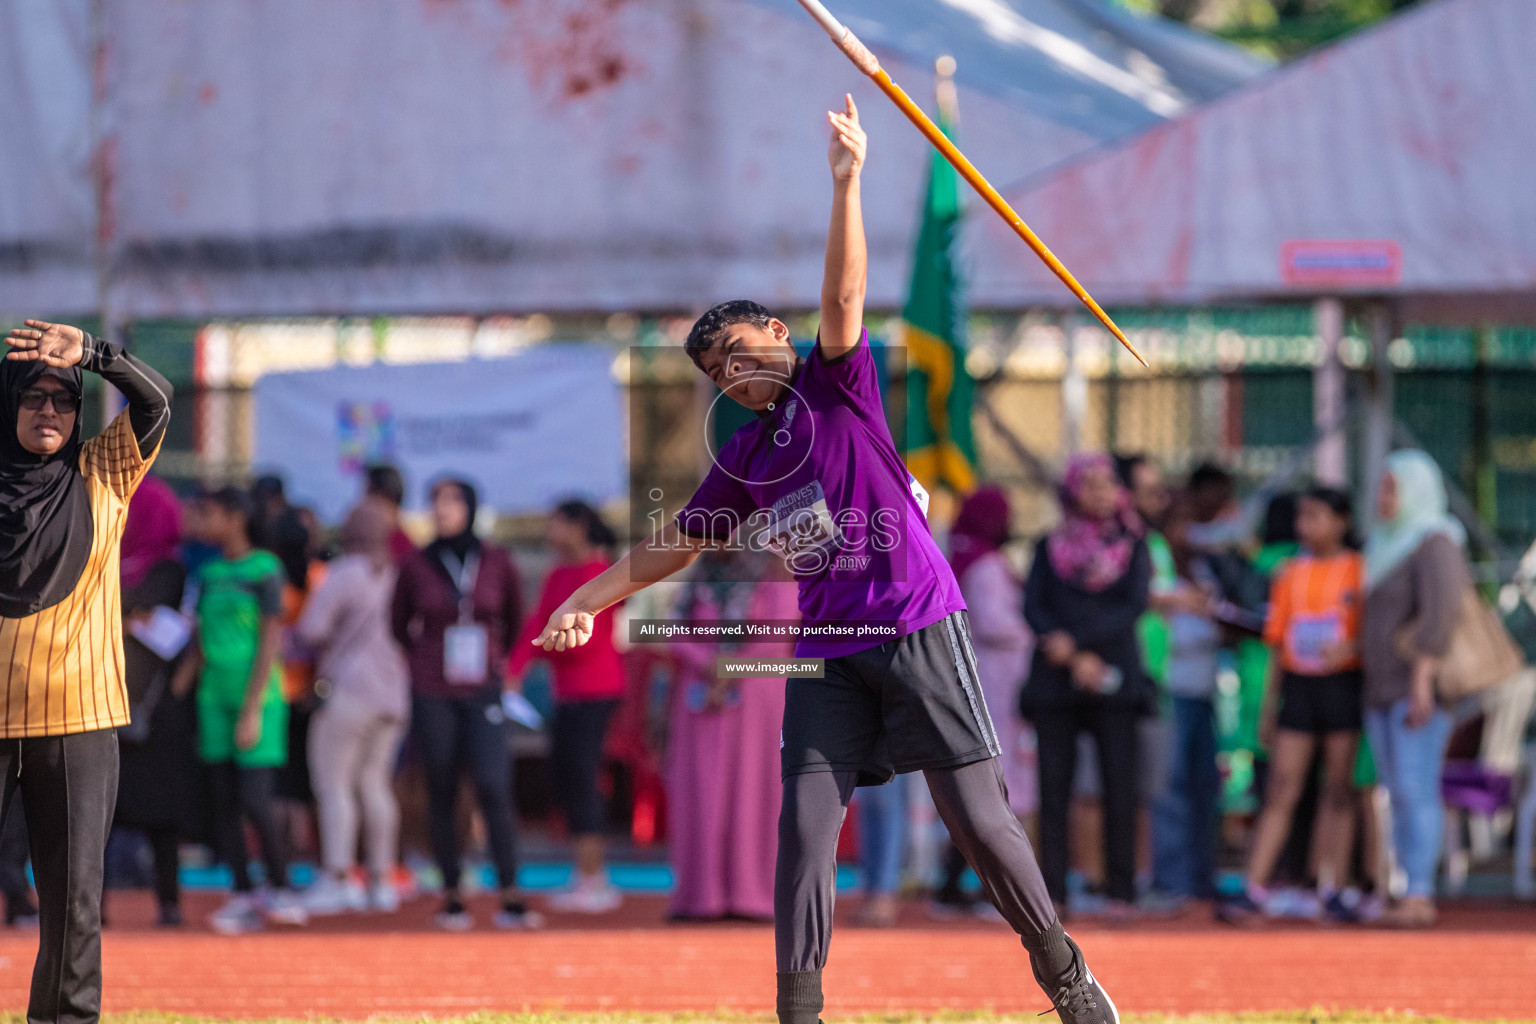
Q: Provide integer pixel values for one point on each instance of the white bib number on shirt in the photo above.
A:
(802, 525)
(1310, 638)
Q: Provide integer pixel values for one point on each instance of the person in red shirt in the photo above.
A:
(588, 683)
(386, 484)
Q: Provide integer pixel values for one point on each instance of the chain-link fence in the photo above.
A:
(1230, 385)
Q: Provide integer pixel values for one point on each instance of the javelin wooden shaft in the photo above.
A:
(866, 62)
(984, 188)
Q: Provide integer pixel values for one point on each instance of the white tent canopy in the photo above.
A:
(476, 156)
(1398, 163)
(47, 212)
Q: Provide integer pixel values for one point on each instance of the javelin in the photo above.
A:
(866, 62)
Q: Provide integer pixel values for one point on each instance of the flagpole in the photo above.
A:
(944, 89)
(866, 62)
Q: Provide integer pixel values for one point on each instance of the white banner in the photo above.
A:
(527, 431)
(47, 212)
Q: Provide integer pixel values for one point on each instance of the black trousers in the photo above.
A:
(14, 850)
(1115, 735)
(973, 803)
(456, 734)
(165, 846)
(576, 759)
(68, 787)
(240, 795)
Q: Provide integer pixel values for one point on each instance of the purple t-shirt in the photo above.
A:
(818, 481)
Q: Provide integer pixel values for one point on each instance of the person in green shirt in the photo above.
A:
(1277, 545)
(242, 717)
(1142, 478)
(1150, 497)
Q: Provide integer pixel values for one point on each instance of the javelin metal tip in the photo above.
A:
(824, 18)
(1131, 348)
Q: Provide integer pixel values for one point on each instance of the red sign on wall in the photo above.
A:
(1345, 263)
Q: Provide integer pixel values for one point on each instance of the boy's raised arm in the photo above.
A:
(842, 289)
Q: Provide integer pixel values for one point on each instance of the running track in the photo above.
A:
(1480, 964)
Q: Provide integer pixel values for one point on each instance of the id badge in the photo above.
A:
(466, 654)
(1310, 638)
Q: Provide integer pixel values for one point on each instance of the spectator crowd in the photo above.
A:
(1175, 688)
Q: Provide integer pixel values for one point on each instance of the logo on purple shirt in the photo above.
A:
(819, 481)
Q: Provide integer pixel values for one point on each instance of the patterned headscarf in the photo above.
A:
(1093, 553)
(722, 585)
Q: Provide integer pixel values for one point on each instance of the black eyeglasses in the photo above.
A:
(64, 403)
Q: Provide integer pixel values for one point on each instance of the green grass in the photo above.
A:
(1313, 1017)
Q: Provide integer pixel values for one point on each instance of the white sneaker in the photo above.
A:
(454, 917)
(239, 916)
(1297, 904)
(331, 896)
(1371, 909)
(383, 898)
(283, 908)
(518, 919)
(588, 896)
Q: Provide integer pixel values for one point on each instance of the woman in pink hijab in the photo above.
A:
(1088, 585)
(153, 531)
(156, 766)
(994, 593)
(723, 782)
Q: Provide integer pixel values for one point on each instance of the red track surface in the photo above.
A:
(1480, 964)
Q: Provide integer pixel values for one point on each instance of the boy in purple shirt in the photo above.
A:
(817, 479)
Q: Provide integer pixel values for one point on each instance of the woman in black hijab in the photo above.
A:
(63, 506)
(457, 606)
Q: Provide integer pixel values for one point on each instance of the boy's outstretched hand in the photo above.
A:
(849, 143)
(568, 627)
(57, 345)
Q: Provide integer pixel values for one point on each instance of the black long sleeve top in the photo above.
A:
(148, 393)
(1102, 622)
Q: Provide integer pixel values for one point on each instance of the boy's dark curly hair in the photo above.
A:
(706, 330)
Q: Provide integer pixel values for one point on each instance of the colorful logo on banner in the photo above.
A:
(1342, 263)
(365, 434)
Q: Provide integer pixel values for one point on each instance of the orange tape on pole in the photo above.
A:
(867, 63)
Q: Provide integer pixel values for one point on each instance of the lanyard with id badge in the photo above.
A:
(466, 645)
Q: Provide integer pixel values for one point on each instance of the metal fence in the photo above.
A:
(1234, 386)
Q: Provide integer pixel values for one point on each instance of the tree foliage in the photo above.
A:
(1281, 28)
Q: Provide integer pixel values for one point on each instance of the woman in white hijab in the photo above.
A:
(1415, 573)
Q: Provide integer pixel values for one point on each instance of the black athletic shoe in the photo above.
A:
(1078, 997)
(1241, 910)
(1342, 908)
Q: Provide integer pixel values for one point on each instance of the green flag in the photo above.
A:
(940, 448)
